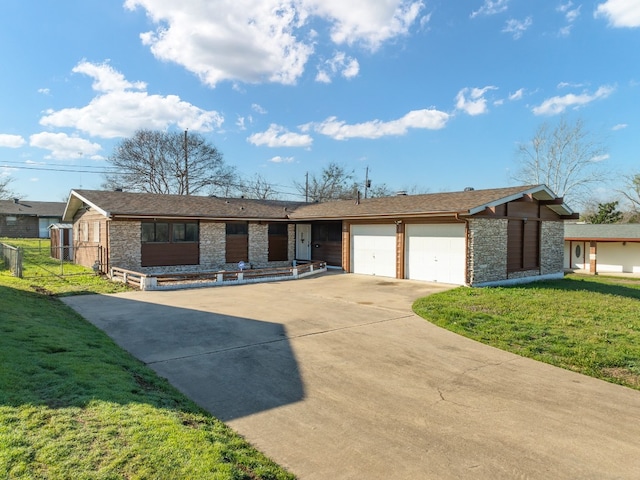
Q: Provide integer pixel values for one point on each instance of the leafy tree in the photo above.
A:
(565, 157)
(607, 213)
(5, 191)
(171, 163)
(335, 182)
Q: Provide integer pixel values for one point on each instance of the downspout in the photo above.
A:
(466, 246)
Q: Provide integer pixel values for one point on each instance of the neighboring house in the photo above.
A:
(475, 237)
(602, 248)
(26, 219)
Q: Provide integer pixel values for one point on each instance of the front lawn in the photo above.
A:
(75, 405)
(583, 323)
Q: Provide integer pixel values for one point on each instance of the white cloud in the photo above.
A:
(600, 158)
(491, 7)
(370, 22)
(517, 27)
(105, 78)
(265, 40)
(517, 95)
(427, 119)
(11, 141)
(279, 159)
(258, 109)
(62, 146)
(346, 66)
(118, 112)
(278, 136)
(571, 85)
(571, 14)
(44, 91)
(472, 101)
(619, 126)
(620, 13)
(559, 104)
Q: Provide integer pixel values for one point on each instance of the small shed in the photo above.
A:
(61, 241)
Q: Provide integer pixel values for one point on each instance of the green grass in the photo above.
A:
(50, 276)
(583, 323)
(74, 405)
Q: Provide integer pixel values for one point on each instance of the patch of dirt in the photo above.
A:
(42, 290)
(623, 374)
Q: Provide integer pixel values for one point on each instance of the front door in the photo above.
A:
(303, 241)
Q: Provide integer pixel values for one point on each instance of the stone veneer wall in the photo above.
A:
(125, 248)
(213, 238)
(552, 248)
(124, 245)
(487, 250)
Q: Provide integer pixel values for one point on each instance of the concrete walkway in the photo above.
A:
(334, 377)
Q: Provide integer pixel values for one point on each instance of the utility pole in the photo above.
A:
(367, 182)
(306, 188)
(186, 164)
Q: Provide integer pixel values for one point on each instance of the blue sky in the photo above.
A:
(429, 95)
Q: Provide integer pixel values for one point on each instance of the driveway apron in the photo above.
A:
(334, 377)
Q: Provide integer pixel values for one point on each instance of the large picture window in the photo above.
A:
(165, 232)
(170, 243)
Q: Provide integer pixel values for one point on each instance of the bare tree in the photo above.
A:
(258, 187)
(565, 157)
(171, 163)
(5, 191)
(632, 191)
(334, 182)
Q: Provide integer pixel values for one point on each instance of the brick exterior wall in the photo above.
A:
(552, 248)
(22, 227)
(487, 252)
(90, 239)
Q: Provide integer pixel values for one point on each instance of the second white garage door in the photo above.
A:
(374, 249)
(436, 253)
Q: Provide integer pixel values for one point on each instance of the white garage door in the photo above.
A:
(373, 250)
(436, 253)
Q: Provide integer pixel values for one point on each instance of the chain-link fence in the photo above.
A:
(37, 258)
(12, 259)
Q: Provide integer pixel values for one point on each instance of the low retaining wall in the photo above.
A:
(175, 281)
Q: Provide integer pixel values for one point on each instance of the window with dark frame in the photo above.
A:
(169, 232)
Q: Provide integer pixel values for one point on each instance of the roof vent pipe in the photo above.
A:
(401, 193)
(16, 200)
(469, 189)
(358, 197)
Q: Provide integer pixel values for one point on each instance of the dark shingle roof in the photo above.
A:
(587, 231)
(466, 202)
(138, 205)
(126, 204)
(26, 207)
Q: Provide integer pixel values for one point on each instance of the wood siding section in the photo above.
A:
(326, 242)
(237, 248)
(170, 254)
(278, 248)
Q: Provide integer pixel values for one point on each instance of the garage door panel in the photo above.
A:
(374, 249)
(436, 253)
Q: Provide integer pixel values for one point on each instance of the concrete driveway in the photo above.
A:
(334, 377)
